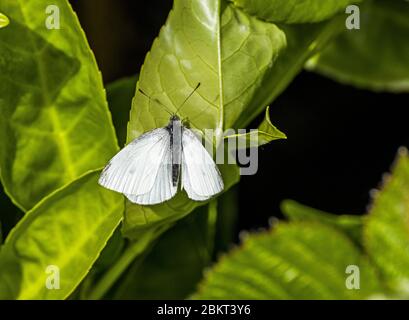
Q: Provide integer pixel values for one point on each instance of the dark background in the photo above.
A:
(340, 139)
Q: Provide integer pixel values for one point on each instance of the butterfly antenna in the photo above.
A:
(157, 101)
(187, 98)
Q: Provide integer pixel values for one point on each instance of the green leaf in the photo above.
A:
(299, 260)
(226, 43)
(166, 273)
(4, 21)
(214, 43)
(226, 225)
(302, 42)
(10, 275)
(111, 253)
(67, 229)
(387, 229)
(376, 56)
(119, 96)
(293, 11)
(265, 133)
(350, 225)
(54, 120)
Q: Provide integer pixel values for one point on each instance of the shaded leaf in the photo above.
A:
(293, 11)
(376, 56)
(349, 224)
(10, 275)
(68, 229)
(54, 120)
(119, 95)
(302, 42)
(299, 260)
(172, 268)
(226, 226)
(387, 229)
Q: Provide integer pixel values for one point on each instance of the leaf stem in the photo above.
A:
(211, 226)
(134, 249)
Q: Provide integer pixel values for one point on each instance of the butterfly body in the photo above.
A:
(175, 131)
(148, 170)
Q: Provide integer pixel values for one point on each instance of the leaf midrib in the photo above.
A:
(219, 62)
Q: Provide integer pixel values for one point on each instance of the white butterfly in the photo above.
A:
(148, 169)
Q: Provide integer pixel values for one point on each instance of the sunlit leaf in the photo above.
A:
(294, 11)
(265, 133)
(4, 21)
(68, 229)
(54, 120)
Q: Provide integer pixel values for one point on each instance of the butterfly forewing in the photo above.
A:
(200, 176)
(142, 170)
(163, 188)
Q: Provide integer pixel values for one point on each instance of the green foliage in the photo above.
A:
(265, 133)
(293, 11)
(307, 258)
(55, 128)
(376, 56)
(174, 265)
(54, 120)
(300, 260)
(4, 21)
(119, 96)
(56, 133)
(351, 225)
(67, 229)
(226, 43)
(387, 228)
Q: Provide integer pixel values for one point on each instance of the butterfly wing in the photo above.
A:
(200, 176)
(142, 170)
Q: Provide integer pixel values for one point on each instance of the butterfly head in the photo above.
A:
(174, 117)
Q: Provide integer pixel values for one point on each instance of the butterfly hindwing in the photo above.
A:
(200, 176)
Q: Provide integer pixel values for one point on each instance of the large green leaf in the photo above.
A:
(376, 56)
(387, 229)
(242, 64)
(213, 43)
(67, 229)
(54, 120)
(299, 260)
(293, 11)
(302, 42)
